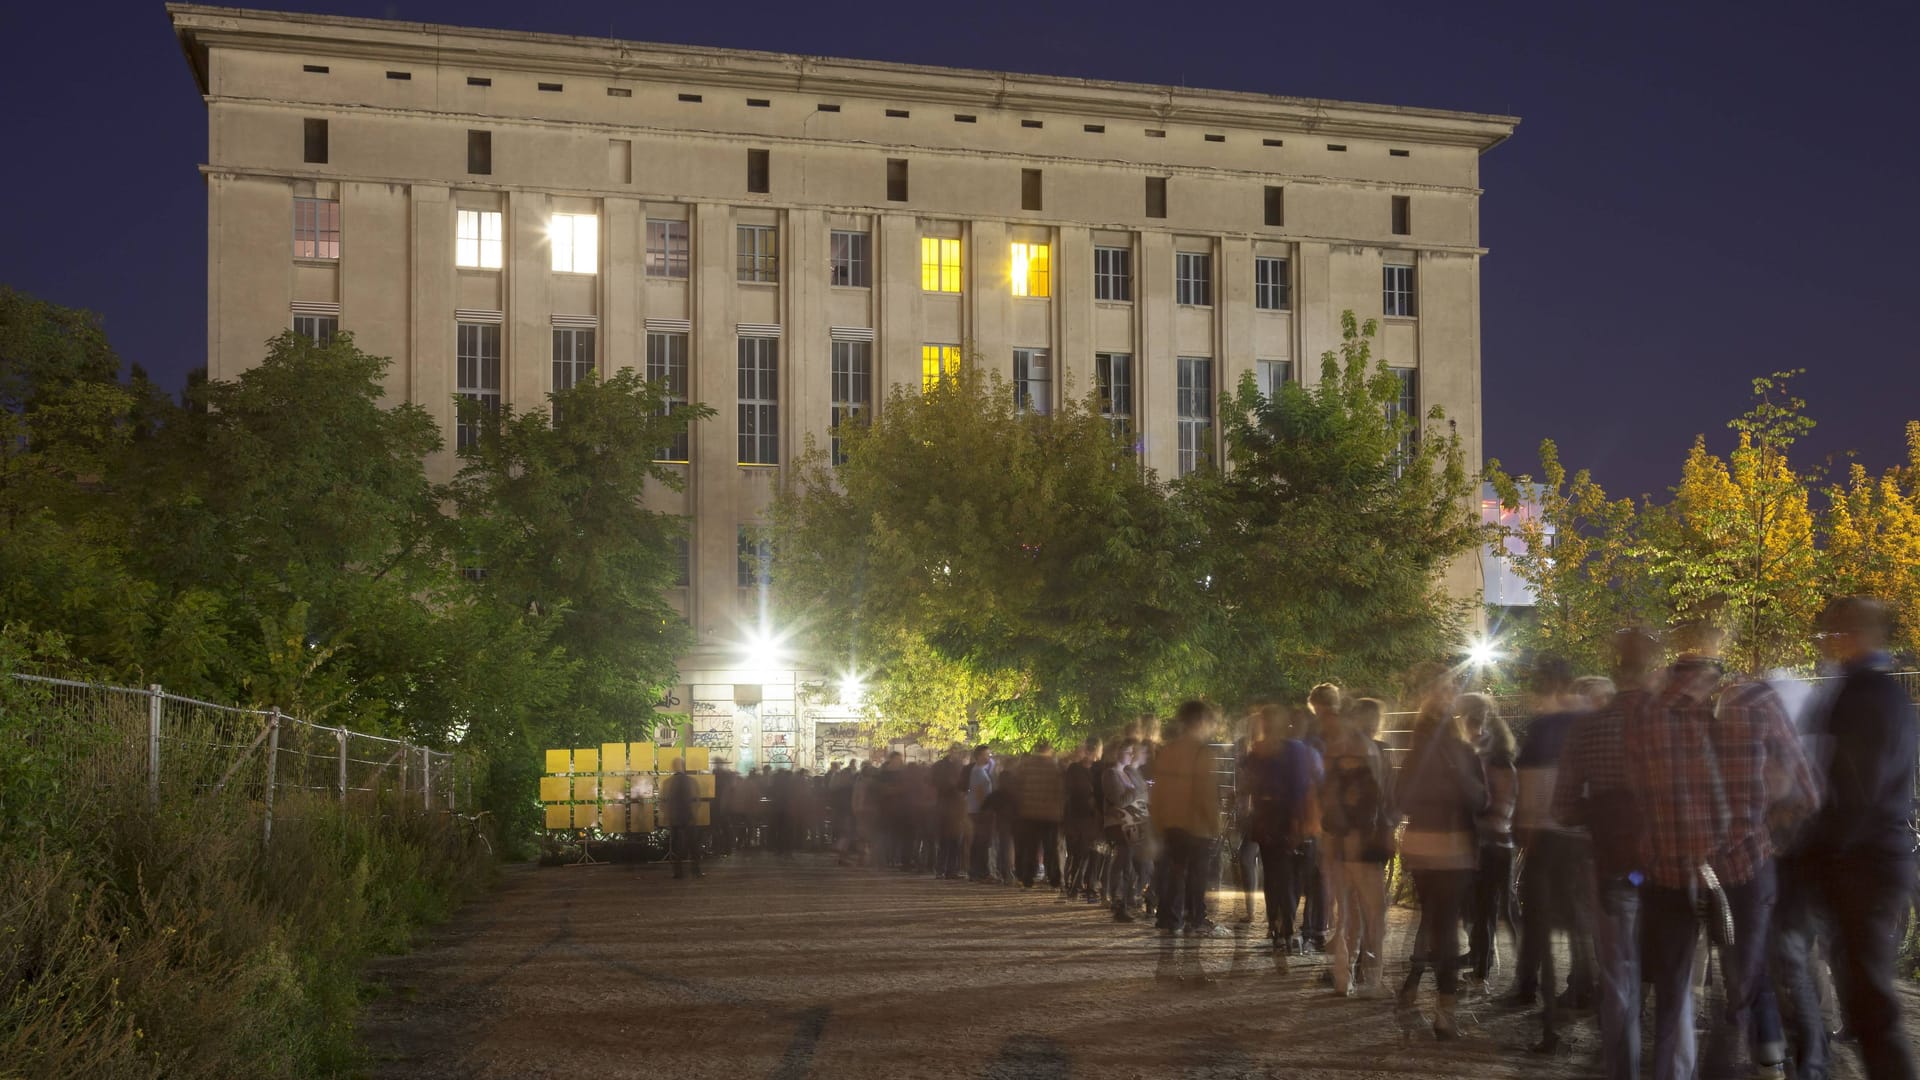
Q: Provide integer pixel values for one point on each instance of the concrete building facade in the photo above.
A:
(782, 237)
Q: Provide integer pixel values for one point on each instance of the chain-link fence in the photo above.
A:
(184, 747)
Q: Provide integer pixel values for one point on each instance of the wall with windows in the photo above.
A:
(785, 238)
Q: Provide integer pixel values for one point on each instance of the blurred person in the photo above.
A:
(1185, 811)
(1358, 822)
(1318, 727)
(1280, 774)
(1860, 839)
(1556, 882)
(1593, 792)
(723, 797)
(1493, 903)
(681, 798)
(1246, 848)
(1593, 691)
(950, 812)
(1125, 823)
(1081, 817)
(980, 777)
(1701, 750)
(840, 804)
(1442, 792)
(1040, 800)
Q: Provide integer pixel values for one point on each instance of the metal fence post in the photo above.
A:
(273, 759)
(341, 734)
(426, 779)
(155, 698)
(405, 753)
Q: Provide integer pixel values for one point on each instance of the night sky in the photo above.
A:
(1697, 193)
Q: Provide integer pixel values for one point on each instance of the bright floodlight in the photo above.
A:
(1483, 653)
(761, 653)
(852, 690)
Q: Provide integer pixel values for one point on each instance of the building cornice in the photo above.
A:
(199, 27)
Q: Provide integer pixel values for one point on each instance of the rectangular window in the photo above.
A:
(1029, 189)
(1402, 215)
(759, 255)
(896, 177)
(1406, 407)
(668, 250)
(1195, 412)
(756, 559)
(937, 364)
(1032, 381)
(850, 259)
(852, 388)
(939, 264)
(1193, 278)
(1112, 274)
(759, 401)
(476, 354)
(1113, 378)
(575, 239)
(318, 329)
(316, 229)
(683, 562)
(572, 356)
(1270, 283)
(1276, 206)
(1031, 270)
(1156, 196)
(480, 153)
(316, 138)
(1272, 375)
(476, 239)
(1396, 291)
(667, 368)
(759, 172)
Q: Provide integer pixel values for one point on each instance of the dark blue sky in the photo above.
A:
(1698, 193)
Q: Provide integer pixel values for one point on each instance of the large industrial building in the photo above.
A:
(782, 237)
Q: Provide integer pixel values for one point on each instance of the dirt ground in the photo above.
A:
(786, 970)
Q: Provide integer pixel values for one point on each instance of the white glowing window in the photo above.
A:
(575, 239)
(477, 239)
(1031, 266)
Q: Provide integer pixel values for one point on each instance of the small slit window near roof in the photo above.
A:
(479, 80)
(316, 69)
(619, 91)
(825, 107)
(758, 103)
(1094, 129)
(1338, 148)
(1399, 153)
(551, 87)
(1216, 138)
(898, 114)
(1031, 124)
(1272, 142)
(690, 97)
(400, 75)
(1156, 133)
(963, 118)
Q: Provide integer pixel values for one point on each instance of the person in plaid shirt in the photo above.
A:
(1701, 752)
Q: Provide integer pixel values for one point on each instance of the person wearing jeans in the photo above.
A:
(1443, 791)
(1185, 808)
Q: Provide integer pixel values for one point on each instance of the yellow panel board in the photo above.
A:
(696, 759)
(559, 761)
(613, 757)
(554, 789)
(640, 756)
(559, 817)
(703, 813)
(586, 759)
(643, 816)
(586, 788)
(705, 783)
(585, 815)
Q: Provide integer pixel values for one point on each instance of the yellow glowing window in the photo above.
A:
(938, 362)
(1030, 277)
(939, 264)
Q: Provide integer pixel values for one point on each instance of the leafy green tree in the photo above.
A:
(1873, 539)
(987, 564)
(1324, 537)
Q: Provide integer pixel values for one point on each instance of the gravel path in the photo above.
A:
(785, 970)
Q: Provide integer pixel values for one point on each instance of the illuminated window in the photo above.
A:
(318, 329)
(1194, 406)
(575, 239)
(1112, 274)
(938, 363)
(477, 373)
(1030, 273)
(759, 401)
(939, 264)
(1193, 278)
(668, 249)
(1032, 381)
(1269, 283)
(667, 368)
(476, 240)
(316, 229)
(1113, 377)
(759, 251)
(1396, 291)
(850, 259)
(852, 387)
(572, 356)
(1273, 374)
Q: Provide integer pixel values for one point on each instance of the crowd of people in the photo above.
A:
(1650, 819)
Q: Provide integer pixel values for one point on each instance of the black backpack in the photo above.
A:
(1362, 805)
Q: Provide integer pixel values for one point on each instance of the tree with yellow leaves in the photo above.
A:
(1873, 539)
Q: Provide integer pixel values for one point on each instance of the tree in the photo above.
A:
(989, 564)
(1322, 541)
(1873, 539)
(1577, 555)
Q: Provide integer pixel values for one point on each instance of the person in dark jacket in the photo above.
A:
(682, 798)
(1040, 797)
(1861, 838)
(1442, 792)
(1082, 819)
(1280, 773)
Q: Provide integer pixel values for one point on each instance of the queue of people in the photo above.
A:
(1647, 819)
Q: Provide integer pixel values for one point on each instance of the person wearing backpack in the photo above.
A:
(1357, 818)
